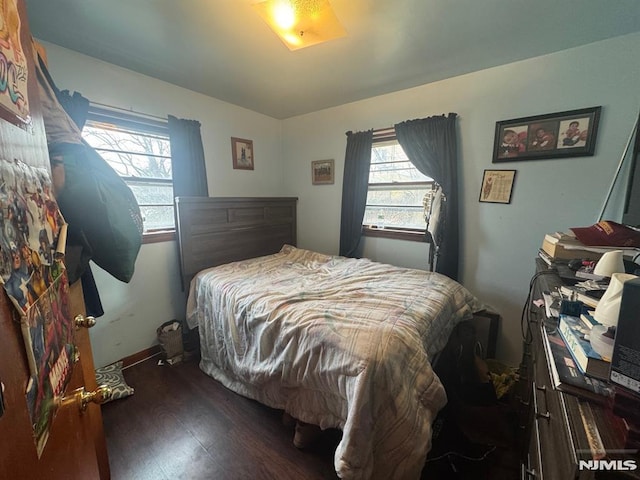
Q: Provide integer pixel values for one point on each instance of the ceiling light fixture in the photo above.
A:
(301, 23)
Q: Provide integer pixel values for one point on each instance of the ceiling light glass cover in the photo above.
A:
(301, 23)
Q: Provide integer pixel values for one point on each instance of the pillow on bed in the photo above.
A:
(112, 376)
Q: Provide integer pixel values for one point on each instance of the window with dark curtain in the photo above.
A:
(431, 145)
(187, 157)
(355, 184)
(397, 192)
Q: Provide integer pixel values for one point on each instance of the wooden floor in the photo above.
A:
(181, 424)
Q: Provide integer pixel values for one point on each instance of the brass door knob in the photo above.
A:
(82, 398)
(86, 322)
(100, 395)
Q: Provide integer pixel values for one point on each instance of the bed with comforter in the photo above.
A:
(336, 342)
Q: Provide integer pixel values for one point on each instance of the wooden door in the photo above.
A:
(76, 446)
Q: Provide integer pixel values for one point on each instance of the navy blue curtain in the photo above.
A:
(355, 183)
(187, 158)
(431, 145)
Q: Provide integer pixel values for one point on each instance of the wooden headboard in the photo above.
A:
(217, 230)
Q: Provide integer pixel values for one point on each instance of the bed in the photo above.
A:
(336, 342)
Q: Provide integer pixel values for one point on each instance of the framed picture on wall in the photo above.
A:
(497, 186)
(322, 172)
(555, 135)
(242, 151)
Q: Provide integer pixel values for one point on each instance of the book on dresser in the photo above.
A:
(588, 319)
(566, 375)
(546, 258)
(564, 247)
(589, 297)
(590, 363)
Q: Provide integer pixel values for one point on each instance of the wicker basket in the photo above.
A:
(170, 338)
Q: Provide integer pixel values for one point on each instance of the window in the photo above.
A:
(395, 199)
(138, 149)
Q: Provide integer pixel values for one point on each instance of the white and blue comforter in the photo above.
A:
(340, 343)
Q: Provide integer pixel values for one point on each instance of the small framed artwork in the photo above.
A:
(322, 172)
(555, 135)
(497, 186)
(242, 150)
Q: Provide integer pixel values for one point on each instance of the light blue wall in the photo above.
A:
(499, 242)
(133, 311)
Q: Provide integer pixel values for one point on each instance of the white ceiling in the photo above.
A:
(222, 48)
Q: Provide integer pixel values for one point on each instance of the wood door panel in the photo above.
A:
(76, 438)
(94, 411)
(70, 449)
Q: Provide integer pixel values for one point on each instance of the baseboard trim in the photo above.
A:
(141, 356)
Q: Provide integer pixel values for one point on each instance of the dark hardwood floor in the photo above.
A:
(181, 424)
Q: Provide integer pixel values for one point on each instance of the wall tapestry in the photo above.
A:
(13, 72)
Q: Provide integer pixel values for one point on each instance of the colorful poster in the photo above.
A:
(30, 223)
(47, 328)
(13, 64)
(32, 237)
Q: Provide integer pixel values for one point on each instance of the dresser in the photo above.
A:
(558, 429)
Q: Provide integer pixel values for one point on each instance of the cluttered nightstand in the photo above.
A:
(569, 430)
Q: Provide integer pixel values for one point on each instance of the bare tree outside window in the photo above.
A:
(396, 189)
(143, 160)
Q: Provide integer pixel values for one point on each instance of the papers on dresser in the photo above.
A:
(589, 295)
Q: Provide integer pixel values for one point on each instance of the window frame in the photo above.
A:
(397, 233)
(136, 123)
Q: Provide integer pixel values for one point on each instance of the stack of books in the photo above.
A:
(575, 332)
(568, 377)
(564, 247)
(561, 247)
